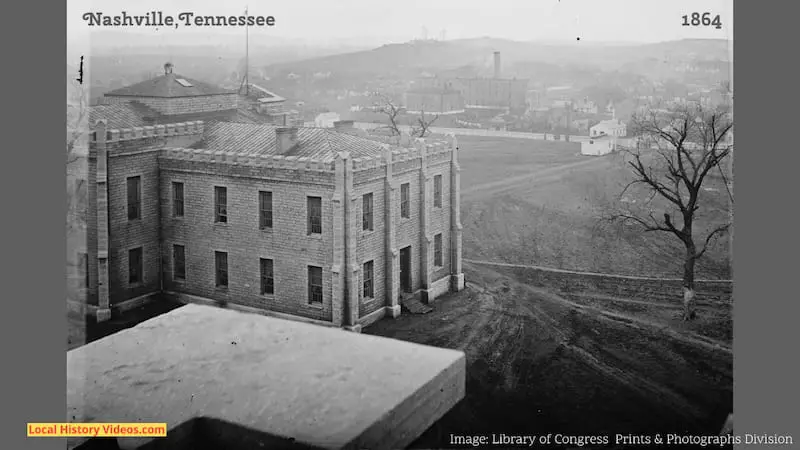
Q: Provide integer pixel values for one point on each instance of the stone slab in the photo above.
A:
(324, 387)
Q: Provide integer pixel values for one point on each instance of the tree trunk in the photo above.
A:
(688, 284)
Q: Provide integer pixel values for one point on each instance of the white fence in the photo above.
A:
(479, 132)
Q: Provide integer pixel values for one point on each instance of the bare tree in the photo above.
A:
(386, 106)
(423, 124)
(689, 142)
(419, 127)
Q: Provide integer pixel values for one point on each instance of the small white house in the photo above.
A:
(611, 127)
(326, 120)
(597, 145)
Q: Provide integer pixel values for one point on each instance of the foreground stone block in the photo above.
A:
(209, 370)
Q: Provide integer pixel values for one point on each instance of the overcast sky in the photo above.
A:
(400, 20)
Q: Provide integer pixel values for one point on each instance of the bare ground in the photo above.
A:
(541, 203)
(541, 363)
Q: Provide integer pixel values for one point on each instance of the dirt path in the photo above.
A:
(538, 362)
(545, 175)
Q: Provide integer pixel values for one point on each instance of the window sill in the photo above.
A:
(179, 280)
(267, 296)
(265, 229)
(316, 236)
(136, 285)
(315, 305)
(368, 300)
(222, 224)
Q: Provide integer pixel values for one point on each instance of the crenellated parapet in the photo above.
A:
(148, 132)
(239, 159)
(435, 151)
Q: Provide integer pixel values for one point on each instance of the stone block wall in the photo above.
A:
(287, 243)
(160, 157)
(182, 105)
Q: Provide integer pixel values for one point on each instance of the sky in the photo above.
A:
(317, 21)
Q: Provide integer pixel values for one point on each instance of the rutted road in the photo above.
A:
(537, 362)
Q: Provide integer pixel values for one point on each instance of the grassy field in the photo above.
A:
(538, 362)
(539, 203)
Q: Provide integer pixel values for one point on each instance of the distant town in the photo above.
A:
(484, 89)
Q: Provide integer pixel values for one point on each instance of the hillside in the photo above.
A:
(445, 55)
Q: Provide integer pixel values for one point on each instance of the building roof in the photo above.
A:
(263, 95)
(123, 115)
(321, 144)
(432, 90)
(169, 85)
(134, 114)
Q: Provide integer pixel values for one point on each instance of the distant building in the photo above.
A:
(585, 106)
(496, 93)
(613, 128)
(580, 125)
(270, 104)
(493, 93)
(434, 100)
(326, 120)
(597, 145)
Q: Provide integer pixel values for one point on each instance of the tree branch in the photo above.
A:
(717, 231)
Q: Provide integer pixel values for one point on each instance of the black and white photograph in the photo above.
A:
(378, 225)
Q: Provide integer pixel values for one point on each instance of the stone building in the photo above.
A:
(434, 100)
(174, 98)
(319, 224)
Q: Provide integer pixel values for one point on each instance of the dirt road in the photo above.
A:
(541, 363)
(544, 175)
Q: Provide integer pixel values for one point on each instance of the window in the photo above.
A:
(314, 215)
(221, 263)
(178, 262)
(177, 199)
(405, 195)
(369, 291)
(314, 285)
(264, 210)
(134, 197)
(437, 191)
(220, 204)
(135, 266)
(437, 250)
(267, 280)
(83, 268)
(367, 212)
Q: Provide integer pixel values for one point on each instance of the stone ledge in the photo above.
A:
(321, 386)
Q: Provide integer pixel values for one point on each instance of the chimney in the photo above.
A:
(168, 68)
(497, 64)
(285, 139)
(343, 126)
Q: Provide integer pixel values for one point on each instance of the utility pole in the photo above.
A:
(246, 78)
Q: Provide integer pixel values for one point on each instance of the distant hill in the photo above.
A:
(477, 52)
